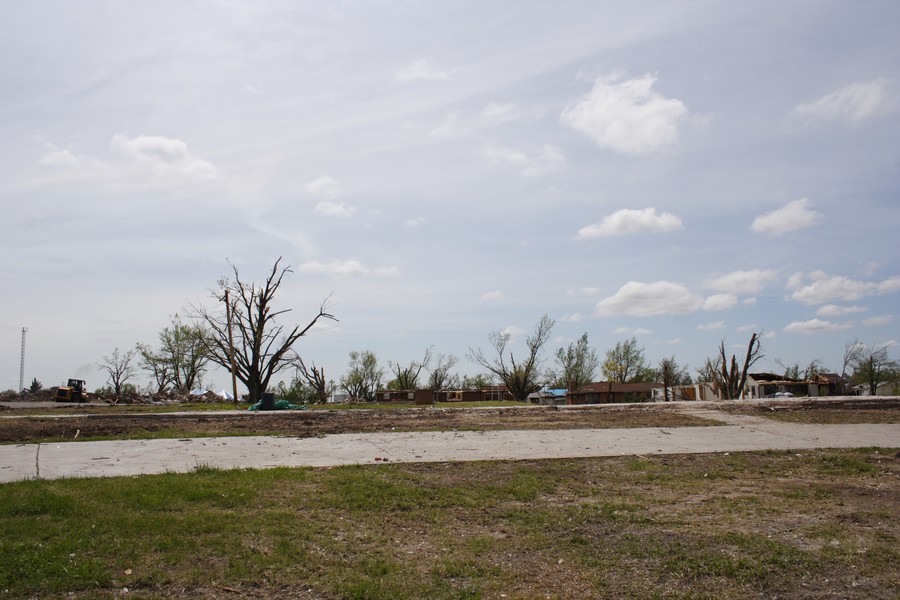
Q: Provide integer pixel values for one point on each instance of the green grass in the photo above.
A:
(778, 525)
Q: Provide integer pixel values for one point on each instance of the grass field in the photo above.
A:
(817, 524)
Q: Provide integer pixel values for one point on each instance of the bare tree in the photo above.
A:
(314, 377)
(363, 378)
(440, 377)
(732, 376)
(407, 377)
(261, 343)
(119, 368)
(852, 351)
(672, 374)
(578, 364)
(519, 377)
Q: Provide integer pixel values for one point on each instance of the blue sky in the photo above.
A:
(681, 172)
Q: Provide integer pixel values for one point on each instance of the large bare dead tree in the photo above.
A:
(520, 377)
(261, 343)
(733, 376)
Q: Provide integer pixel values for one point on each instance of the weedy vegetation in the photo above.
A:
(786, 524)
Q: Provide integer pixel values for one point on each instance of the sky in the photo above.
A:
(684, 172)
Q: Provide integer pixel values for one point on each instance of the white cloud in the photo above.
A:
(855, 102)
(835, 310)
(741, 282)
(627, 117)
(790, 217)
(58, 158)
(743, 328)
(494, 295)
(890, 344)
(573, 318)
(650, 299)
(711, 326)
(822, 288)
(671, 342)
(414, 222)
(345, 268)
(875, 321)
(333, 209)
(546, 159)
(750, 301)
(513, 331)
(815, 326)
(323, 187)
(326, 326)
(495, 109)
(421, 70)
(61, 158)
(165, 156)
(627, 221)
(720, 302)
(632, 331)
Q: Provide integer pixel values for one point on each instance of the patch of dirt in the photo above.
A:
(823, 411)
(310, 423)
(116, 422)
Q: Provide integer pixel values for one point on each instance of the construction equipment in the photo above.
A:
(73, 391)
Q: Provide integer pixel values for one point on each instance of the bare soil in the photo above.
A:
(105, 422)
(310, 423)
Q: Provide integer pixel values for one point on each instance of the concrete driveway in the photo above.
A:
(136, 457)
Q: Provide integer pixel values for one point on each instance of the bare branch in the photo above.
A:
(520, 378)
(262, 344)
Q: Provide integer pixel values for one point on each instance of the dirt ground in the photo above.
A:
(311, 423)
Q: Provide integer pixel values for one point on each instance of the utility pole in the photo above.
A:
(22, 363)
(231, 348)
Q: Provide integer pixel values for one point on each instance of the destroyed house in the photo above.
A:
(603, 392)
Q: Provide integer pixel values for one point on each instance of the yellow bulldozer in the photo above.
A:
(73, 391)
